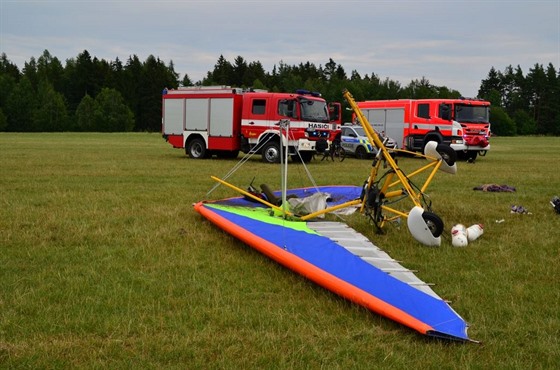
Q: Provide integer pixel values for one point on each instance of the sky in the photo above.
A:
(452, 43)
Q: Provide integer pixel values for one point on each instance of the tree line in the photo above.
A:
(91, 94)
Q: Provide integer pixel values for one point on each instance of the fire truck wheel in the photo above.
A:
(304, 157)
(196, 148)
(271, 152)
(471, 155)
(361, 153)
(447, 153)
(434, 223)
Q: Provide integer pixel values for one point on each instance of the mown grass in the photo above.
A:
(103, 263)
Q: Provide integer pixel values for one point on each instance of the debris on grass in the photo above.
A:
(520, 210)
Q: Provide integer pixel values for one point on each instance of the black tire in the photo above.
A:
(228, 154)
(321, 146)
(435, 224)
(306, 157)
(471, 155)
(447, 153)
(196, 149)
(271, 152)
(361, 152)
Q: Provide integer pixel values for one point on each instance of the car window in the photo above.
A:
(360, 131)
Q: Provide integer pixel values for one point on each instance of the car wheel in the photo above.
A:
(361, 152)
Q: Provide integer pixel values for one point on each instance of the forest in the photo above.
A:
(95, 95)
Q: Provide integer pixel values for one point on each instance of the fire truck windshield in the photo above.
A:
(314, 110)
(472, 113)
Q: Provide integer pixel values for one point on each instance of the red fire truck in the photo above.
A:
(462, 123)
(225, 120)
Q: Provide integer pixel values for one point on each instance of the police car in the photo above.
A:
(354, 141)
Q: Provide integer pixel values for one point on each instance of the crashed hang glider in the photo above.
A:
(338, 258)
(335, 256)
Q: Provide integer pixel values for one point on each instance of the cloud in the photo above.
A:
(451, 43)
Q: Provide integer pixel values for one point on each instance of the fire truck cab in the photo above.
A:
(224, 120)
(462, 124)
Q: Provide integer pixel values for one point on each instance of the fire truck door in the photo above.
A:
(221, 117)
(196, 115)
(394, 125)
(390, 121)
(173, 116)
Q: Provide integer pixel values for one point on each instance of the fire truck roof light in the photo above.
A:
(469, 98)
(307, 92)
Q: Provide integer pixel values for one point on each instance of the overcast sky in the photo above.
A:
(451, 43)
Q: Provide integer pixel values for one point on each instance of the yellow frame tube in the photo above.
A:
(330, 209)
(251, 195)
(431, 176)
(268, 204)
(373, 138)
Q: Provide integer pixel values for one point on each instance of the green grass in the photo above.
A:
(104, 264)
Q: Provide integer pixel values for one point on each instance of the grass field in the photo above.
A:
(104, 264)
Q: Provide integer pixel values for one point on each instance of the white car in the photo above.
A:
(354, 141)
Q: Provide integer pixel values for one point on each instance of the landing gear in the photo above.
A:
(447, 154)
(433, 222)
(426, 227)
(373, 203)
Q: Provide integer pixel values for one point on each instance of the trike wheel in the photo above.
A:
(447, 154)
(434, 223)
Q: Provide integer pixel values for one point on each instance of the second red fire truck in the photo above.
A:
(462, 124)
(222, 121)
